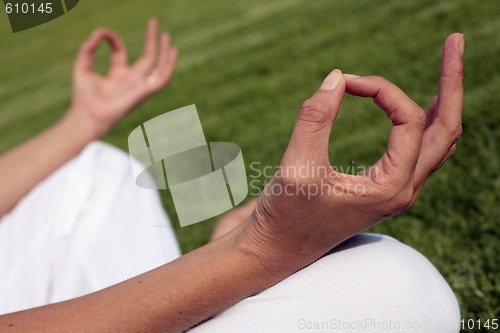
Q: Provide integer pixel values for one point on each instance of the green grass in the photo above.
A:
(248, 65)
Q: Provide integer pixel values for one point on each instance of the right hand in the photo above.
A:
(299, 217)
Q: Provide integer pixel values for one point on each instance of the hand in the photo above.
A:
(308, 208)
(101, 101)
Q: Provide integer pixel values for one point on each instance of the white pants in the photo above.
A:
(88, 226)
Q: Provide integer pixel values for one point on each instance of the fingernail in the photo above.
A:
(351, 76)
(332, 80)
(461, 45)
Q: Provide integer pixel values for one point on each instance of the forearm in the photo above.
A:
(171, 298)
(23, 167)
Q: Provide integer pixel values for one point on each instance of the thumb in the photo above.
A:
(311, 134)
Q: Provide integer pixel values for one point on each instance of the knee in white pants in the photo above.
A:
(370, 283)
(85, 227)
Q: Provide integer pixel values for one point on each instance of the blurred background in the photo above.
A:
(248, 65)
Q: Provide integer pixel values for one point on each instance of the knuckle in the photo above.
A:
(314, 112)
(456, 76)
(419, 119)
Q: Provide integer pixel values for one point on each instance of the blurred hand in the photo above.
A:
(309, 208)
(101, 101)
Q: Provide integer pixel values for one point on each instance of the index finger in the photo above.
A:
(86, 54)
(408, 123)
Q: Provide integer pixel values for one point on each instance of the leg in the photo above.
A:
(84, 228)
(370, 283)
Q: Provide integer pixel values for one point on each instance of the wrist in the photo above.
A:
(76, 129)
(281, 237)
(82, 125)
(244, 253)
(273, 253)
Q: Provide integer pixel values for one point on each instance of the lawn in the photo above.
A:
(248, 65)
